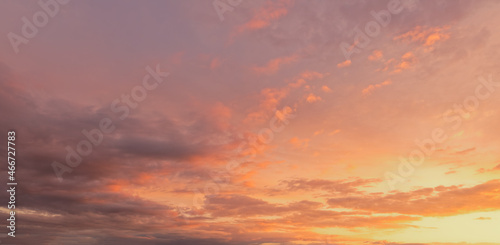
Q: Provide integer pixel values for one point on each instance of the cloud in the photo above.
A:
(376, 55)
(274, 65)
(435, 202)
(483, 218)
(311, 98)
(273, 10)
(326, 89)
(244, 206)
(301, 214)
(139, 186)
(299, 143)
(311, 75)
(298, 83)
(334, 132)
(426, 36)
(343, 186)
(483, 170)
(329, 219)
(372, 87)
(215, 63)
(344, 64)
(395, 65)
(407, 60)
(270, 99)
(466, 151)
(318, 132)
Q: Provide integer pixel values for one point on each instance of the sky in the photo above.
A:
(259, 122)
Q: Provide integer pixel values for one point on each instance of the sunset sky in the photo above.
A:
(252, 122)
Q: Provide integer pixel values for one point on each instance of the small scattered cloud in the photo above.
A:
(299, 143)
(484, 170)
(318, 132)
(439, 202)
(297, 83)
(311, 98)
(407, 60)
(312, 75)
(342, 186)
(270, 98)
(326, 89)
(466, 151)
(334, 132)
(272, 10)
(344, 64)
(306, 76)
(376, 55)
(274, 65)
(483, 218)
(426, 36)
(371, 87)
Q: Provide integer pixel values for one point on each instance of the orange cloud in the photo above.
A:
(312, 75)
(483, 170)
(371, 87)
(273, 65)
(344, 64)
(220, 114)
(436, 202)
(326, 89)
(463, 152)
(318, 132)
(406, 61)
(304, 76)
(272, 10)
(299, 143)
(483, 218)
(343, 186)
(407, 56)
(298, 83)
(334, 132)
(376, 55)
(398, 65)
(271, 97)
(302, 213)
(311, 98)
(427, 36)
